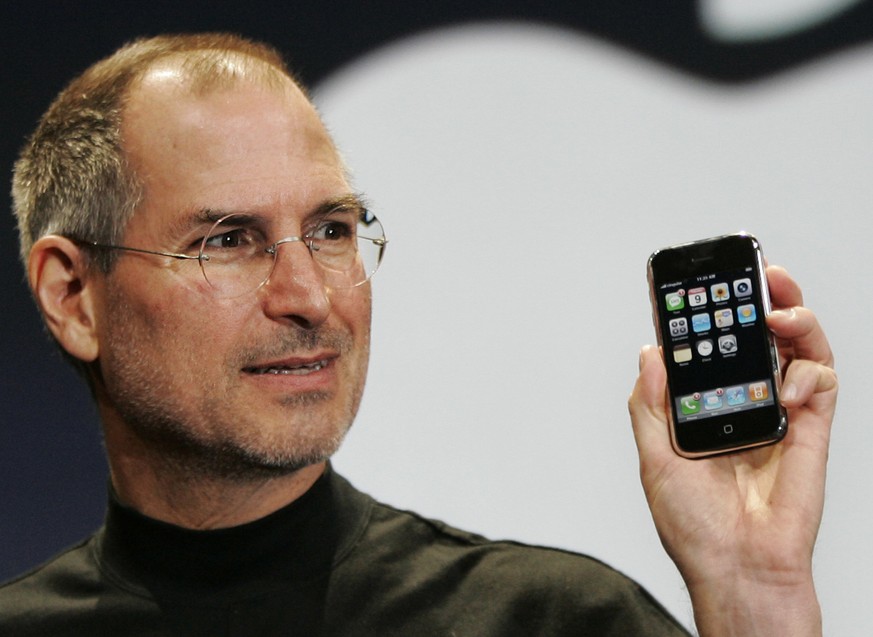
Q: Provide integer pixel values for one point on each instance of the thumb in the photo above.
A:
(647, 406)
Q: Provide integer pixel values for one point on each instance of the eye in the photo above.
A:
(226, 239)
(331, 230)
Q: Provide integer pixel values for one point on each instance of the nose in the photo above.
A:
(295, 290)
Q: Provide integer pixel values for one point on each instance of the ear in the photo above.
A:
(59, 277)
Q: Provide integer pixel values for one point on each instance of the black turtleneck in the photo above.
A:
(334, 563)
(298, 543)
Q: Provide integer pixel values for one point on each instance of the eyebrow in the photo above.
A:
(348, 202)
(351, 200)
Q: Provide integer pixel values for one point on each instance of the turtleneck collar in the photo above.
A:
(299, 542)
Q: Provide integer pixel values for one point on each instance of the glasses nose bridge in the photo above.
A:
(274, 251)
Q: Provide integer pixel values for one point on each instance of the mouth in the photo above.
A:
(288, 369)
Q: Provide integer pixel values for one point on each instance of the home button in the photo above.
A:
(728, 430)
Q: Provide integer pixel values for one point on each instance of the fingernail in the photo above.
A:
(789, 392)
(643, 351)
(789, 313)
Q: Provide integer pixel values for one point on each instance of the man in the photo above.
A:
(189, 235)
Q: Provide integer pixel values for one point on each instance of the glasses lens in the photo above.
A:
(349, 255)
(237, 258)
(233, 257)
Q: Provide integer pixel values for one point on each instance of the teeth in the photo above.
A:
(299, 370)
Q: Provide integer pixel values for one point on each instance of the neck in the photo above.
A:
(195, 502)
(178, 491)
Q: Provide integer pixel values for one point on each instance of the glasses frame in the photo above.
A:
(271, 249)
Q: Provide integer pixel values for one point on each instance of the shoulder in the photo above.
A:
(30, 603)
(61, 568)
(467, 575)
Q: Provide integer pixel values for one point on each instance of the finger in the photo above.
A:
(646, 404)
(805, 382)
(784, 291)
(800, 327)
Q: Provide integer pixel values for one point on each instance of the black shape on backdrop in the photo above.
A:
(52, 472)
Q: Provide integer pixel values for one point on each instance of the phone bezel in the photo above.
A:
(748, 429)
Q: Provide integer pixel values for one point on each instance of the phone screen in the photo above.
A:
(710, 299)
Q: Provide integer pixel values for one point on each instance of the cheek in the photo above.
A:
(357, 314)
(159, 319)
(353, 307)
(209, 330)
(167, 318)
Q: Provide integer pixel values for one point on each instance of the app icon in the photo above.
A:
(735, 395)
(720, 292)
(713, 400)
(678, 327)
(697, 296)
(682, 353)
(675, 300)
(690, 404)
(704, 348)
(700, 322)
(758, 392)
(742, 287)
(724, 317)
(727, 344)
(746, 314)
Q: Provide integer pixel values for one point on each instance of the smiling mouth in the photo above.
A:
(288, 370)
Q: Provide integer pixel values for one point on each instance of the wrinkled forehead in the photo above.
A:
(240, 141)
(166, 120)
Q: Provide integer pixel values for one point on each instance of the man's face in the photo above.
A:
(268, 381)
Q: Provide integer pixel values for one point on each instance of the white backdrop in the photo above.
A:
(524, 174)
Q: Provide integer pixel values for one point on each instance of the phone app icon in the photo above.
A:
(675, 300)
(697, 296)
(724, 317)
(742, 287)
(700, 322)
(705, 347)
(713, 400)
(735, 395)
(690, 405)
(758, 392)
(727, 344)
(746, 313)
(678, 327)
(682, 353)
(720, 292)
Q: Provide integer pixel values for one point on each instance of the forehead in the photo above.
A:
(239, 144)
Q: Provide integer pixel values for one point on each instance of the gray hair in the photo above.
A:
(72, 177)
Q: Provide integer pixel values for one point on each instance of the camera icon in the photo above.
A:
(742, 287)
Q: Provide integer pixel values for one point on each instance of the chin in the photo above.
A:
(276, 457)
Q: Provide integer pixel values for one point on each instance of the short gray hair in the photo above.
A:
(72, 177)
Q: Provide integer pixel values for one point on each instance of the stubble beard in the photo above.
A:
(199, 440)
